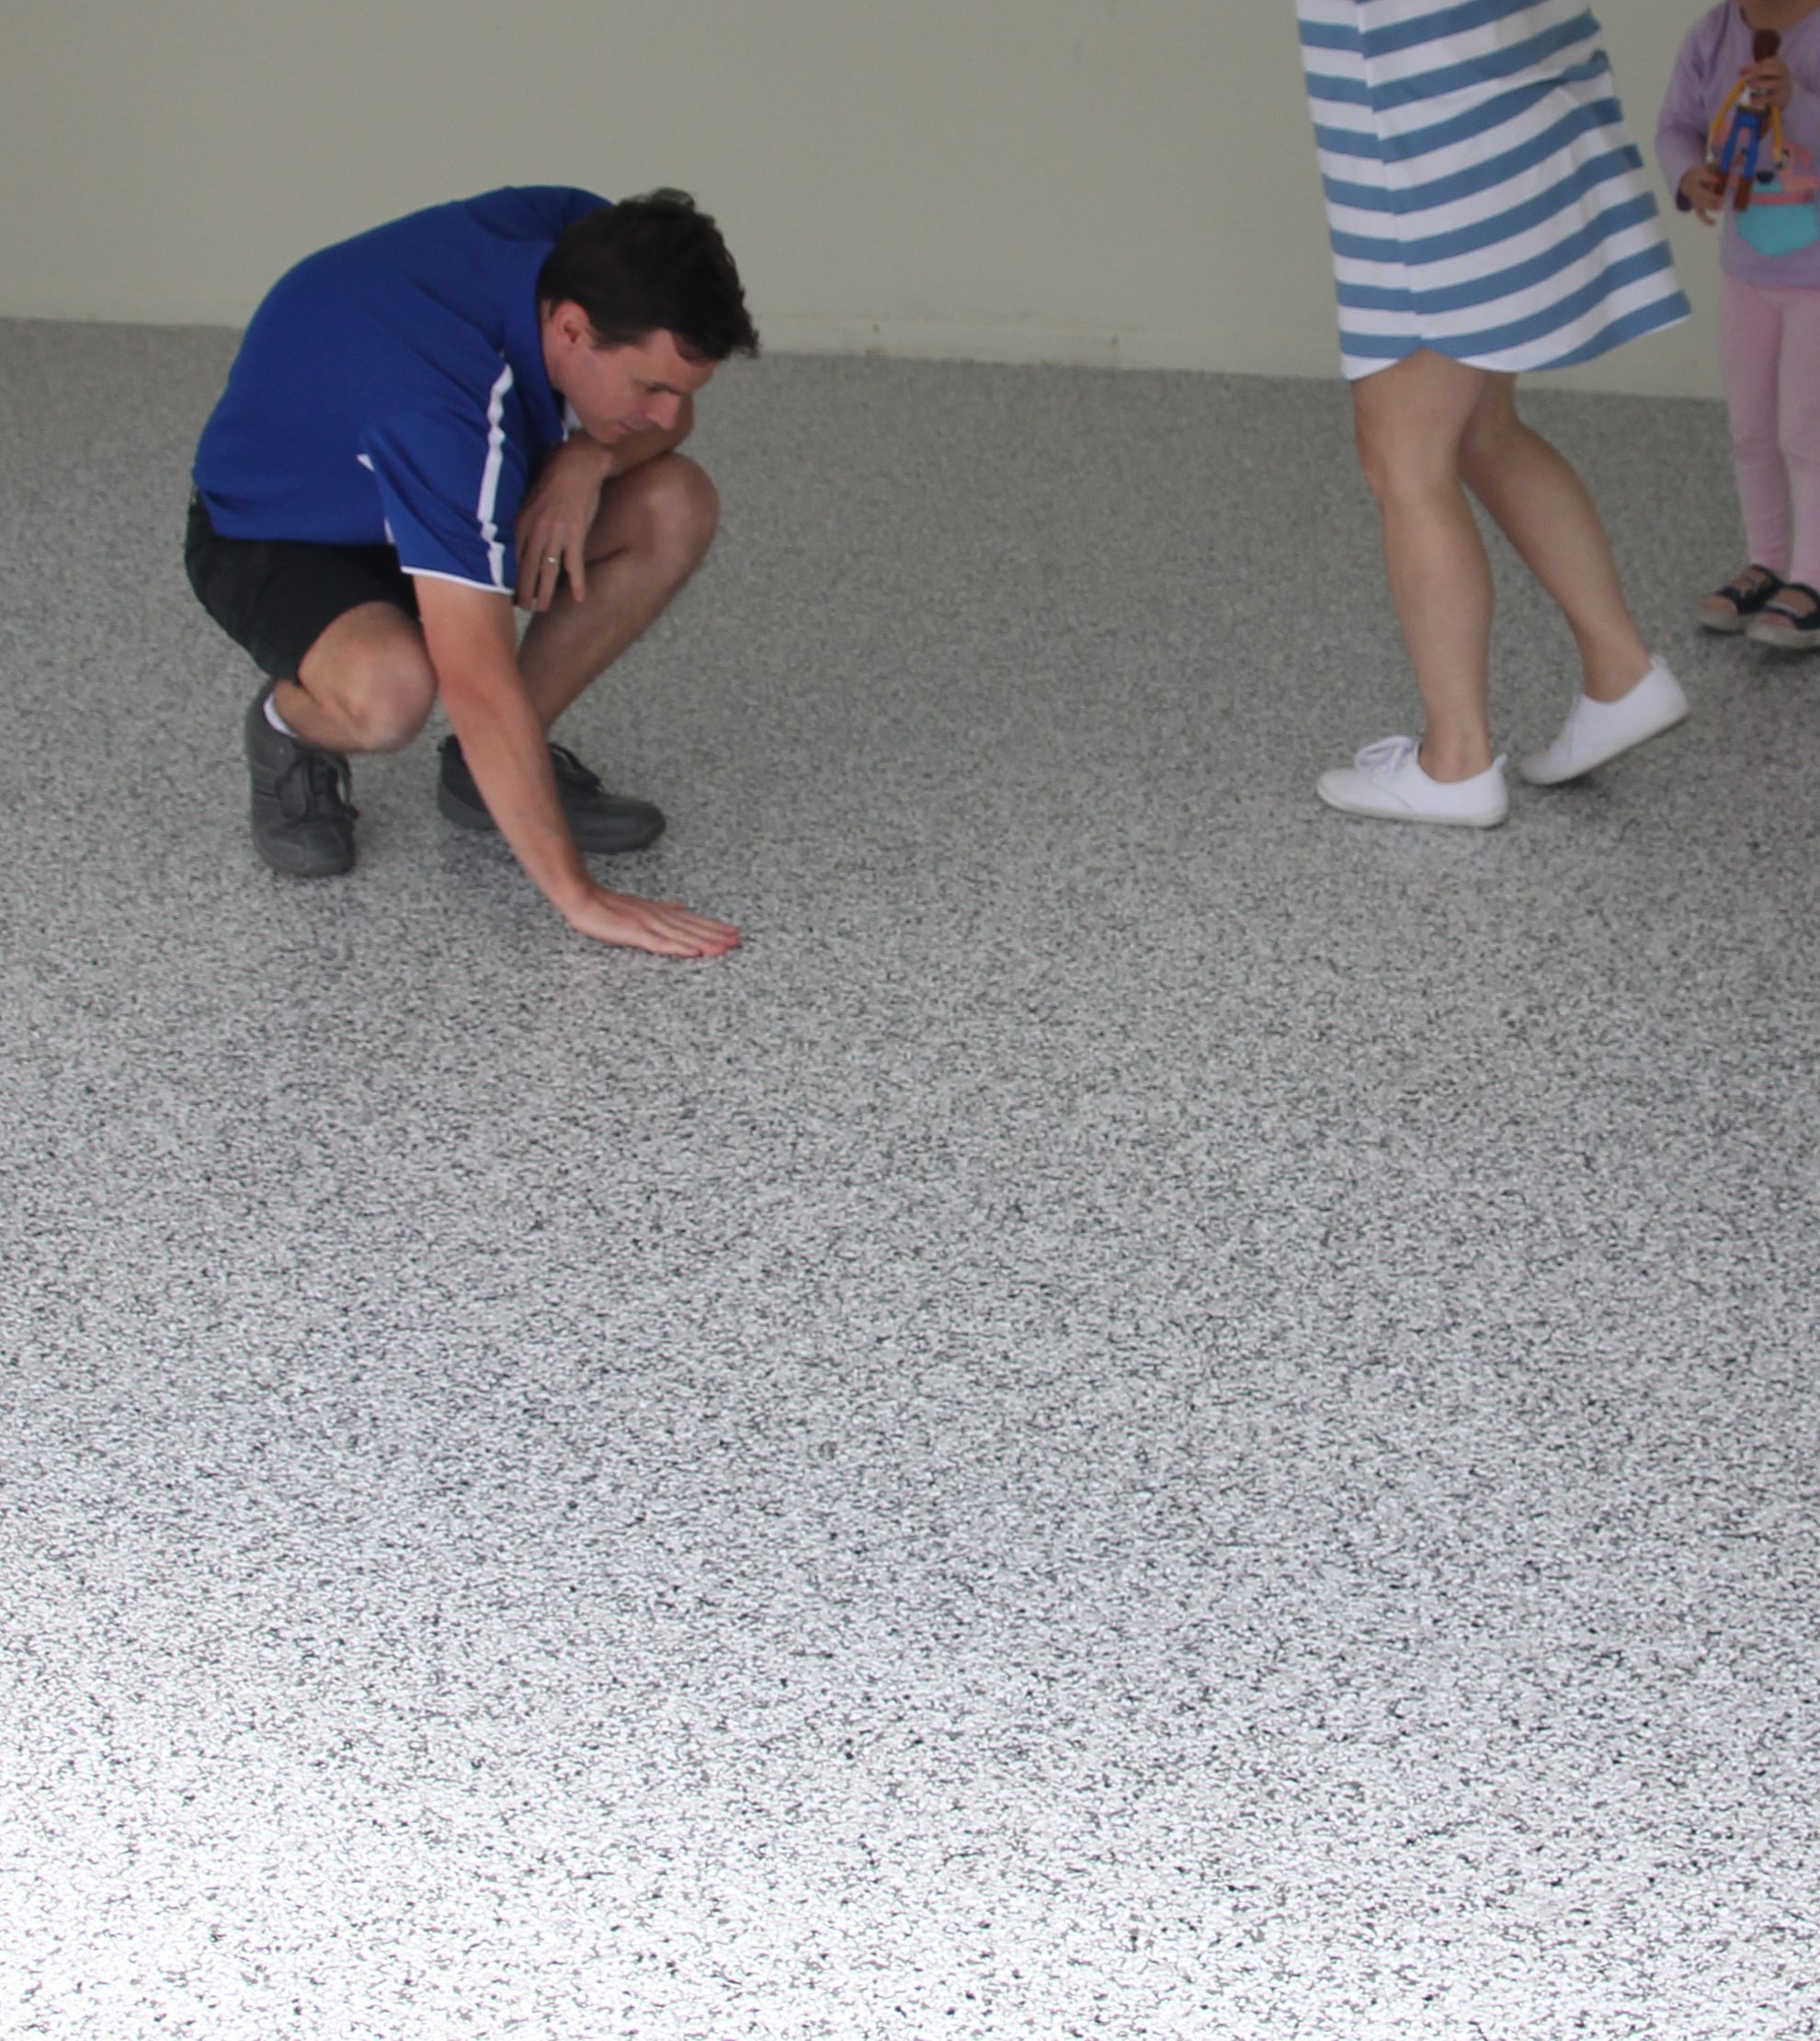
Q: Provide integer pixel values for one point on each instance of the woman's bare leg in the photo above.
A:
(1546, 512)
(1411, 419)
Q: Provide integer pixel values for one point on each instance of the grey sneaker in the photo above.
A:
(601, 821)
(302, 817)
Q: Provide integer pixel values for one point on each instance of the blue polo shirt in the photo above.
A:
(391, 390)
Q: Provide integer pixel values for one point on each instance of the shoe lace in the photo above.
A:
(317, 784)
(1386, 754)
(571, 771)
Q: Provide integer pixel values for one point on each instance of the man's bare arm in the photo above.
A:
(472, 642)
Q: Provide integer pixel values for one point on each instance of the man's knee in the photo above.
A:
(393, 705)
(373, 671)
(673, 509)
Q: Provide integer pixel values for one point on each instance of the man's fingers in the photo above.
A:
(545, 570)
(686, 934)
(702, 924)
(667, 943)
(541, 571)
(661, 925)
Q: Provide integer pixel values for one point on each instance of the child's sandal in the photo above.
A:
(1749, 595)
(1794, 630)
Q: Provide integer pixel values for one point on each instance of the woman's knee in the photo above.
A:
(1399, 462)
(1408, 422)
(1493, 432)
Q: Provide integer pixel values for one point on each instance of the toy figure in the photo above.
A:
(1742, 123)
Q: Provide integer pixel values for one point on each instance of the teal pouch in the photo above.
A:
(1784, 228)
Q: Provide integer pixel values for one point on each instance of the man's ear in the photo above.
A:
(572, 325)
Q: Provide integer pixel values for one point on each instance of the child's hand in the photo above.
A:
(1770, 82)
(1702, 192)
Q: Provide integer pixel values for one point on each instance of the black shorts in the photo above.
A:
(277, 598)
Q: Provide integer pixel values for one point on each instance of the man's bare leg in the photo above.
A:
(653, 530)
(368, 683)
(365, 685)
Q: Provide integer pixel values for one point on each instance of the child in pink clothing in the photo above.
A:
(1770, 315)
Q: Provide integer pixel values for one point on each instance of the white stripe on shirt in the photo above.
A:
(496, 461)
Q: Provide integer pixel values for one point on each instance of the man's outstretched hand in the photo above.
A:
(657, 925)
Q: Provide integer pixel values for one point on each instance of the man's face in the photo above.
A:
(618, 391)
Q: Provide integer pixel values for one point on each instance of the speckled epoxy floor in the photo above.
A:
(1158, 1414)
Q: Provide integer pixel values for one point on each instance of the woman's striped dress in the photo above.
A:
(1483, 195)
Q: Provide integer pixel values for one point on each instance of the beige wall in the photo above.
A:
(1058, 180)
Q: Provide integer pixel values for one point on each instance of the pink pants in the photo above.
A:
(1770, 349)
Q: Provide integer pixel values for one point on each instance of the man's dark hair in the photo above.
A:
(652, 264)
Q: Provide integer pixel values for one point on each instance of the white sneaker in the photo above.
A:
(1386, 781)
(1596, 731)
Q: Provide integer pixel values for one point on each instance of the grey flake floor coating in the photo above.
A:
(1158, 1414)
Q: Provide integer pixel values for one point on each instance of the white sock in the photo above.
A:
(278, 722)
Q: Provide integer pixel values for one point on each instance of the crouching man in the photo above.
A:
(479, 403)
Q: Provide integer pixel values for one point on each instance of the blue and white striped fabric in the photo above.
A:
(1484, 196)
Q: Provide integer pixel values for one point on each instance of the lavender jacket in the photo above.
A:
(1717, 49)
